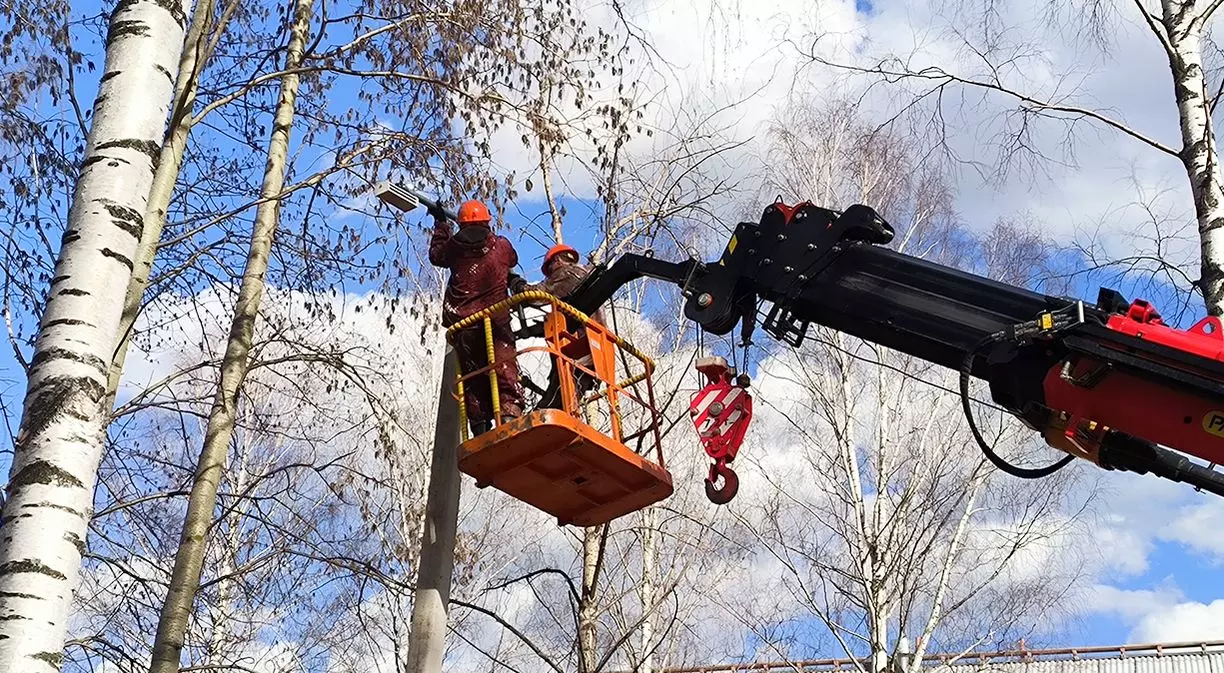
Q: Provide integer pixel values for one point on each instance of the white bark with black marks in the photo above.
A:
(942, 586)
(646, 588)
(1183, 24)
(588, 609)
(55, 462)
(189, 559)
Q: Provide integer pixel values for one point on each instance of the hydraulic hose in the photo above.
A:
(994, 458)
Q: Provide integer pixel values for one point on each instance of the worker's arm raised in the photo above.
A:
(439, 244)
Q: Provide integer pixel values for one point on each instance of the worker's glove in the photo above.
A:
(437, 212)
(517, 283)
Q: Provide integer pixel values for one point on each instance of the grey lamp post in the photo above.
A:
(427, 638)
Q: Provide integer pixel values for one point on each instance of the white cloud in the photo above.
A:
(1198, 527)
(1061, 64)
(1121, 548)
(1132, 604)
(727, 61)
(1182, 622)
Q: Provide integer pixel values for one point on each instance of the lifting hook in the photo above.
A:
(721, 495)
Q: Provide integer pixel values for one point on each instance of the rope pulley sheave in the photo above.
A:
(721, 412)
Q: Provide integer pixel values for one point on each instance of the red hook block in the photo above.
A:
(721, 413)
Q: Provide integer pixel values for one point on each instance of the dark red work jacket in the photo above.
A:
(479, 261)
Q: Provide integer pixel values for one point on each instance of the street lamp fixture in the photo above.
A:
(396, 195)
(405, 198)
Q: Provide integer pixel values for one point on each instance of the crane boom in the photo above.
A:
(1107, 382)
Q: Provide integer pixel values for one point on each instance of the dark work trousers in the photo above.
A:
(584, 382)
(477, 396)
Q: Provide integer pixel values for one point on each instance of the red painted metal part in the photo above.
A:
(1205, 338)
(1168, 416)
(1141, 408)
(789, 211)
(721, 412)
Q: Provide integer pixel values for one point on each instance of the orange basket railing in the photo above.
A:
(605, 349)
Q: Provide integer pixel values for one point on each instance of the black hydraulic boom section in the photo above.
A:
(1108, 382)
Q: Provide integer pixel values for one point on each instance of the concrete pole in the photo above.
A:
(427, 639)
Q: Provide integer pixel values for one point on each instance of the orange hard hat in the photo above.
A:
(473, 212)
(553, 252)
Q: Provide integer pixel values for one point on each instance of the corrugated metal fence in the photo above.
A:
(1205, 657)
(1178, 658)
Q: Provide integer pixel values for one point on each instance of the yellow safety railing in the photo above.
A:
(614, 390)
(537, 296)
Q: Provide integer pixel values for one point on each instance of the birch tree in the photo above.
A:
(190, 555)
(996, 67)
(900, 528)
(646, 588)
(63, 423)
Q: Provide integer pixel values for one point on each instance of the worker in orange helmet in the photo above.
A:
(480, 264)
(562, 275)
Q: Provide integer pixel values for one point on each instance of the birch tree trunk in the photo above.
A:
(191, 62)
(943, 585)
(1183, 33)
(646, 591)
(185, 580)
(59, 445)
(587, 608)
(554, 213)
(878, 623)
(547, 137)
(878, 600)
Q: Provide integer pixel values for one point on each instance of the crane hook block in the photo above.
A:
(721, 412)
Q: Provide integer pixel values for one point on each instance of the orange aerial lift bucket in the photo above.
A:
(554, 459)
